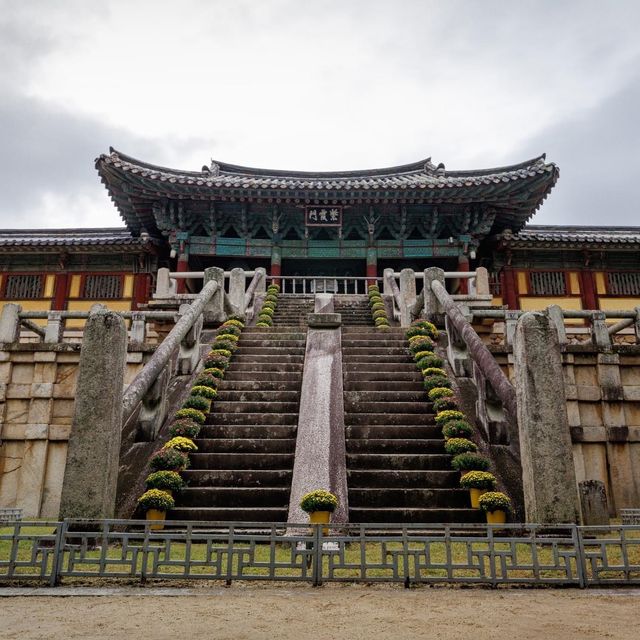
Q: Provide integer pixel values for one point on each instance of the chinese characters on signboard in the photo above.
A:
(323, 216)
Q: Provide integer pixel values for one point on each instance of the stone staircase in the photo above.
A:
(242, 470)
(354, 309)
(397, 468)
(292, 310)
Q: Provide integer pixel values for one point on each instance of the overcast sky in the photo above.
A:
(327, 85)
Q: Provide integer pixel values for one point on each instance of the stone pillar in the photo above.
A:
(548, 473)
(482, 282)
(386, 282)
(91, 473)
(214, 311)
(237, 287)
(372, 265)
(163, 284)
(432, 308)
(554, 312)
(593, 500)
(408, 294)
(10, 323)
(55, 328)
(320, 459)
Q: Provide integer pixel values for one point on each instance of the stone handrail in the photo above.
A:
(478, 351)
(145, 379)
(256, 286)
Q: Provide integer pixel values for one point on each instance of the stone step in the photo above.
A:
(272, 353)
(418, 395)
(252, 418)
(235, 461)
(235, 497)
(386, 418)
(399, 478)
(373, 344)
(228, 514)
(271, 344)
(390, 367)
(248, 445)
(393, 446)
(260, 395)
(390, 331)
(399, 360)
(264, 408)
(267, 333)
(389, 431)
(386, 462)
(405, 386)
(393, 408)
(265, 368)
(412, 498)
(261, 378)
(248, 431)
(237, 477)
(280, 357)
(355, 374)
(415, 516)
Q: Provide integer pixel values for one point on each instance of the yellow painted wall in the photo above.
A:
(31, 305)
(74, 289)
(601, 285)
(85, 305)
(574, 283)
(49, 284)
(538, 304)
(523, 283)
(624, 304)
(127, 291)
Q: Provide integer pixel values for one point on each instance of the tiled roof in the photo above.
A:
(72, 239)
(535, 235)
(517, 189)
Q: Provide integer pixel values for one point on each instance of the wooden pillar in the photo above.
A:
(61, 292)
(510, 295)
(372, 265)
(463, 265)
(276, 264)
(140, 290)
(183, 265)
(588, 290)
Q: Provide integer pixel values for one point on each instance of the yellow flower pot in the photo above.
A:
(156, 514)
(475, 496)
(496, 517)
(321, 517)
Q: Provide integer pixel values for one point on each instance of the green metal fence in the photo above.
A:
(56, 552)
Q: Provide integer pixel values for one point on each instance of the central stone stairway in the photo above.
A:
(354, 310)
(397, 468)
(292, 310)
(242, 470)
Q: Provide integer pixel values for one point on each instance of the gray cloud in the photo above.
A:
(598, 153)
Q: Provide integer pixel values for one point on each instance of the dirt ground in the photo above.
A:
(333, 611)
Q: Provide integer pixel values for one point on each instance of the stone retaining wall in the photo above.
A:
(37, 391)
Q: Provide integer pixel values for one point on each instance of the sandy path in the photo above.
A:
(350, 613)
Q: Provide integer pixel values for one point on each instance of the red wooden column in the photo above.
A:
(372, 265)
(275, 270)
(182, 265)
(141, 289)
(463, 265)
(60, 292)
(588, 290)
(509, 295)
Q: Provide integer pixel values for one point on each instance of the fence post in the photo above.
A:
(163, 284)
(55, 328)
(581, 561)
(408, 295)
(214, 310)
(58, 553)
(432, 306)
(237, 286)
(317, 555)
(599, 334)
(482, 282)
